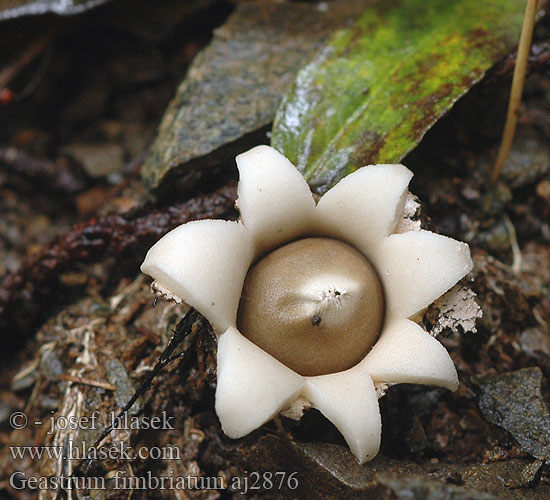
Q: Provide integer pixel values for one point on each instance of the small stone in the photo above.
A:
(529, 159)
(514, 401)
(535, 339)
(117, 375)
(235, 85)
(99, 160)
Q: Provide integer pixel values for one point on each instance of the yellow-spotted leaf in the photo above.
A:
(370, 95)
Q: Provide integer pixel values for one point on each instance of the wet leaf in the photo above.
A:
(10, 9)
(372, 93)
(235, 85)
(514, 401)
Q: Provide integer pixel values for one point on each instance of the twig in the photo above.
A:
(27, 295)
(51, 176)
(36, 78)
(188, 325)
(10, 71)
(86, 381)
(517, 88)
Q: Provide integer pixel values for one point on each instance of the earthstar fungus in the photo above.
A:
(311, 302)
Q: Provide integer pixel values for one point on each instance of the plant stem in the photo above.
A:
(517, 88)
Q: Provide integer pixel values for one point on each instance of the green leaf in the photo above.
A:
(372, 93)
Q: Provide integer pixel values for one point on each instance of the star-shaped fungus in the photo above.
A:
(311, 301)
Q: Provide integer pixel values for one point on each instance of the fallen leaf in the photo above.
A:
(371, 94)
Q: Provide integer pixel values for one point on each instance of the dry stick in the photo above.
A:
(517, 88)
(50, 175)
(182, 331)
(10, 71)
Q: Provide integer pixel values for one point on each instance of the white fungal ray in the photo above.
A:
(365, 206)
(252, 385)
(205, 263)
(405, 353)
(275, 202)
(348, 399)
(417, 267)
